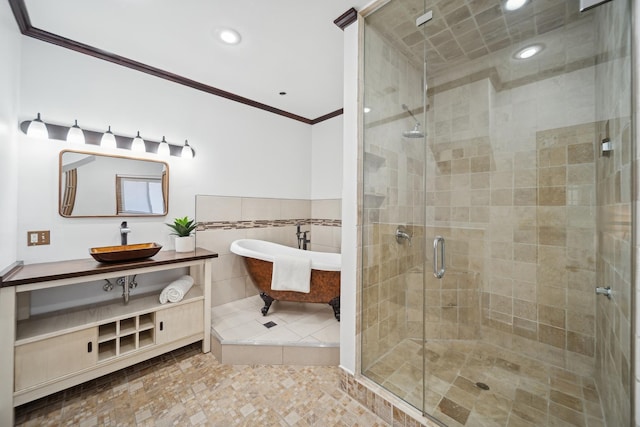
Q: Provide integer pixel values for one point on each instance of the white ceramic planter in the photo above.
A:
(185, 244)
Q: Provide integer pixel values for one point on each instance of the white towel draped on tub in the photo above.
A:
(291, 274)
(176, 290)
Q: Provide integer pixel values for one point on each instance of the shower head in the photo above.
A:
(415, 132)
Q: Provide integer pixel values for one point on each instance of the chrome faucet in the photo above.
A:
(124, 230)
(127, 283)
(302, 238)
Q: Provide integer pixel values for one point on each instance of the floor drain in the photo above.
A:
(482, 386)
(269, 324)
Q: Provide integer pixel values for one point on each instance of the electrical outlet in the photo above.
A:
(36, 238)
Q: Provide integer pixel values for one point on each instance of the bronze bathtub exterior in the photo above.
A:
(325, 286)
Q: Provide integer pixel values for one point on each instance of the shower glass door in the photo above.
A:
(525, 171)
(393, 239)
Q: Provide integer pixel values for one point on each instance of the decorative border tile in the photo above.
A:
(266, 223)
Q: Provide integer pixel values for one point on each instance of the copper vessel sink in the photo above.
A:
(125, 253)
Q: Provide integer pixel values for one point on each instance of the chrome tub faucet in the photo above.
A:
(302, 238)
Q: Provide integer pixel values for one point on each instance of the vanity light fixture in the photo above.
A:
(512, 5)
(187, 152)
(75, 134)
(163, 148)
(37, 128)
(108, 139)
(137, 145)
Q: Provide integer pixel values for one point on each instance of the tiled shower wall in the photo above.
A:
(526, 180)
(224, 219)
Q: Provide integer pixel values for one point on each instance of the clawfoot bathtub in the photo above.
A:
(325, 273)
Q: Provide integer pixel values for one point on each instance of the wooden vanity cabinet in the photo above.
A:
(47, 353)
(175, 322)
(43, 360)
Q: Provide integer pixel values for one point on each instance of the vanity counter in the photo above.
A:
(48, 271)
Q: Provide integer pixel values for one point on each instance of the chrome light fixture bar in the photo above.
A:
(74, 134)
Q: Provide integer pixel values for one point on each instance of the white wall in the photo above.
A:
(326, 159)
(9, 84)
(240, 150)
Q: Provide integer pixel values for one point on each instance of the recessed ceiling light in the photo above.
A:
(514, 4)
(228, 35)
(367, 110)
(529, 51)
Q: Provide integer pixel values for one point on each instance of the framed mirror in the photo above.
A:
(99, 185)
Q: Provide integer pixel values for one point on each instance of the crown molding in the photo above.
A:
(346, 19)
(21, 16)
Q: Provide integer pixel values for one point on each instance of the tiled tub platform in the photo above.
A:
(291, 334)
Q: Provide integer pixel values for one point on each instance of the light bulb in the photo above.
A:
(108, 139)
(37, 128)
(187, 152)
(511, 5)
(529, 51)
(137, 144)
(229, 36)
(163, 148)
(75, 134)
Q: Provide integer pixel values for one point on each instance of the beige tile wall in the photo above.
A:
(231, 218)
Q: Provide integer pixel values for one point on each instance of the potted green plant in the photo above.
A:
(182, 228)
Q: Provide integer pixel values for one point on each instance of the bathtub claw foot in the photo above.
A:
(267, 303)
(335, 304)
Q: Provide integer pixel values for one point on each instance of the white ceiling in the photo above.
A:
(287, 45)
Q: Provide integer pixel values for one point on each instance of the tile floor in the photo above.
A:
(186, 387)
(306, 324)
(522, 392)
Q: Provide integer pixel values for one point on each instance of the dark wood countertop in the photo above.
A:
(46, 271)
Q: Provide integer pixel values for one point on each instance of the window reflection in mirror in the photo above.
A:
(139, 195)
(102, 185)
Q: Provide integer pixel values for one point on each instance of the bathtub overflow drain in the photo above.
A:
(482, 386)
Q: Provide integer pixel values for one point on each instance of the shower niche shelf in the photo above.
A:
(373, 161)
(373, 200)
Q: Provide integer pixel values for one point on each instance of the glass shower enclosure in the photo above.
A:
(496, 199)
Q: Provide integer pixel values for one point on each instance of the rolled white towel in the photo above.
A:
(176, 290)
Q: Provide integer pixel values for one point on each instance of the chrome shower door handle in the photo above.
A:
(438, 270)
